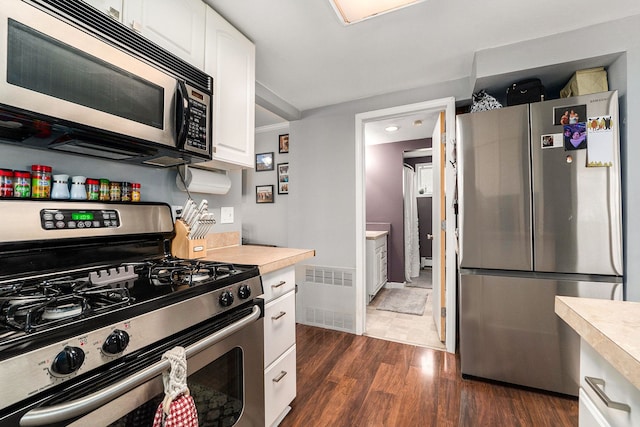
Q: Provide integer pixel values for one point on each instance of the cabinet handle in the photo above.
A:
(279, 377)
(282, 282)
(279, 315)
(597, 384)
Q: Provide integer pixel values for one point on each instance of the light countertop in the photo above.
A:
(373, 235)
(267, 258)
(610, 327)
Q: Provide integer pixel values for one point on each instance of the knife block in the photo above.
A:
(183, 247)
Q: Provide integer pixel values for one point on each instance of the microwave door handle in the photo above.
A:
(65, 411)
(182, 114)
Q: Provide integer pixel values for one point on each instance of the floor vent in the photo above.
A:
(326, 297)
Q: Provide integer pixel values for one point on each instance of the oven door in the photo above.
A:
(225, 378)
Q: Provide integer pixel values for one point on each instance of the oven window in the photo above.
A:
(217, 391)
(40, 63)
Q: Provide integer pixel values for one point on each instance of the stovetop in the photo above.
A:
(69, 302)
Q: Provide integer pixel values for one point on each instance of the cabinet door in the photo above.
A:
(230, 59)
(113, 8)
(176, 25)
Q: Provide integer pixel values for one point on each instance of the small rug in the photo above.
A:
(405, 300)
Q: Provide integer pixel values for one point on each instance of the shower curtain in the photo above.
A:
(411, 243)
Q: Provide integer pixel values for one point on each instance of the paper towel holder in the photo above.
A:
(209, 181)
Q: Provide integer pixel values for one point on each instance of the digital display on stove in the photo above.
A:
(68, 219)
(82, 216)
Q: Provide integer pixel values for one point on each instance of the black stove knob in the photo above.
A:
(67, 361)
(115, 343)
(244, 291)
(226, 299)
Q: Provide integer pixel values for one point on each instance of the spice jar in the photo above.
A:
(78, 188)
(105, 187)
(115, 191)
(6, 183)
(60, 188)
(93, 189)
(135, 192)
(21, 184)
(125, 194)
(40, 181)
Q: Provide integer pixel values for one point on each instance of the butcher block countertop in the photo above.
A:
(267, 258)
(610, 327)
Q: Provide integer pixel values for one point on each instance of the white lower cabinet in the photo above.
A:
(376, 265)
(279, 343)
(280, 387)
(600, 383)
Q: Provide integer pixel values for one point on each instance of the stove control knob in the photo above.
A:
(67, 361)
(244, 291)
(115, 343)
(226, 299)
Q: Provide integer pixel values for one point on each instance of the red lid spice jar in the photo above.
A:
(135, 192)
(6, 183)
(40, 182)
(93, 189)
(21, 184)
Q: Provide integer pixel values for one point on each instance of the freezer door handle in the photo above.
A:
(597, 384)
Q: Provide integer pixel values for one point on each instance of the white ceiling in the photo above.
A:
(307, 57)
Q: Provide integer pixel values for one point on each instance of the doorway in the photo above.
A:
(443, 105)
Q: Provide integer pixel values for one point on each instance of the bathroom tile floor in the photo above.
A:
(403, 328)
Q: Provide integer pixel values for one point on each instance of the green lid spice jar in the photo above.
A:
(105, 194)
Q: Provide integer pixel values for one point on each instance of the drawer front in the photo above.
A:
(278, 283)
(617, 388)
(280, 385)
(279, 327)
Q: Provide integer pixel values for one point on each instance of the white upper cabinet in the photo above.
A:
(230, 59)
(113, 8)
(176, 25)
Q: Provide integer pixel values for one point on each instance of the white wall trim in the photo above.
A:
(448, 105)
(271, 128)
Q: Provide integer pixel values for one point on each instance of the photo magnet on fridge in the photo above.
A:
(552, 140)
(575, 136)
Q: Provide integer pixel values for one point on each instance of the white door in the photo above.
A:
(438, 253)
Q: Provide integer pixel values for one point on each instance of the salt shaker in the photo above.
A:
(78, 189)
(60, 188)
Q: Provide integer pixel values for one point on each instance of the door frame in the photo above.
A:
(448, 106)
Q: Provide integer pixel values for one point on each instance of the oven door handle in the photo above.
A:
(75, 408)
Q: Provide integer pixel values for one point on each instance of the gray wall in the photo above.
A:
(385, 201)
(158, 185)
(266, 223)
(323, 208)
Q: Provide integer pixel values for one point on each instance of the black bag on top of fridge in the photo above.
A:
(525, 92)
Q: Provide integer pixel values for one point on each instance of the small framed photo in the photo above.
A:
(283, 143)
(264, 162)
(283, 178)
(264, 193)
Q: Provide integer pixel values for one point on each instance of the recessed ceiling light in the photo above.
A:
(392, 128)
(352, 11)
(417, 123)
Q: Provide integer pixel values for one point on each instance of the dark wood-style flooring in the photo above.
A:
(349, 380)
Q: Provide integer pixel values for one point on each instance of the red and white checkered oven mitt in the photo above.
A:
(178, 408)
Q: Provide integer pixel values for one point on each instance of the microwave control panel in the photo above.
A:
(199, 116)
(69, 219)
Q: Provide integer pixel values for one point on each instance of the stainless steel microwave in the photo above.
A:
(74, 80)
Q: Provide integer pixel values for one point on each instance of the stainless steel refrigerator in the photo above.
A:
(535, 222)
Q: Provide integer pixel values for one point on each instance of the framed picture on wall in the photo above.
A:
(264, 162)
(283, 143)
(283, 178)
(264, 193)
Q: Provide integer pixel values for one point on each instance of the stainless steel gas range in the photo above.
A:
(90, 299)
